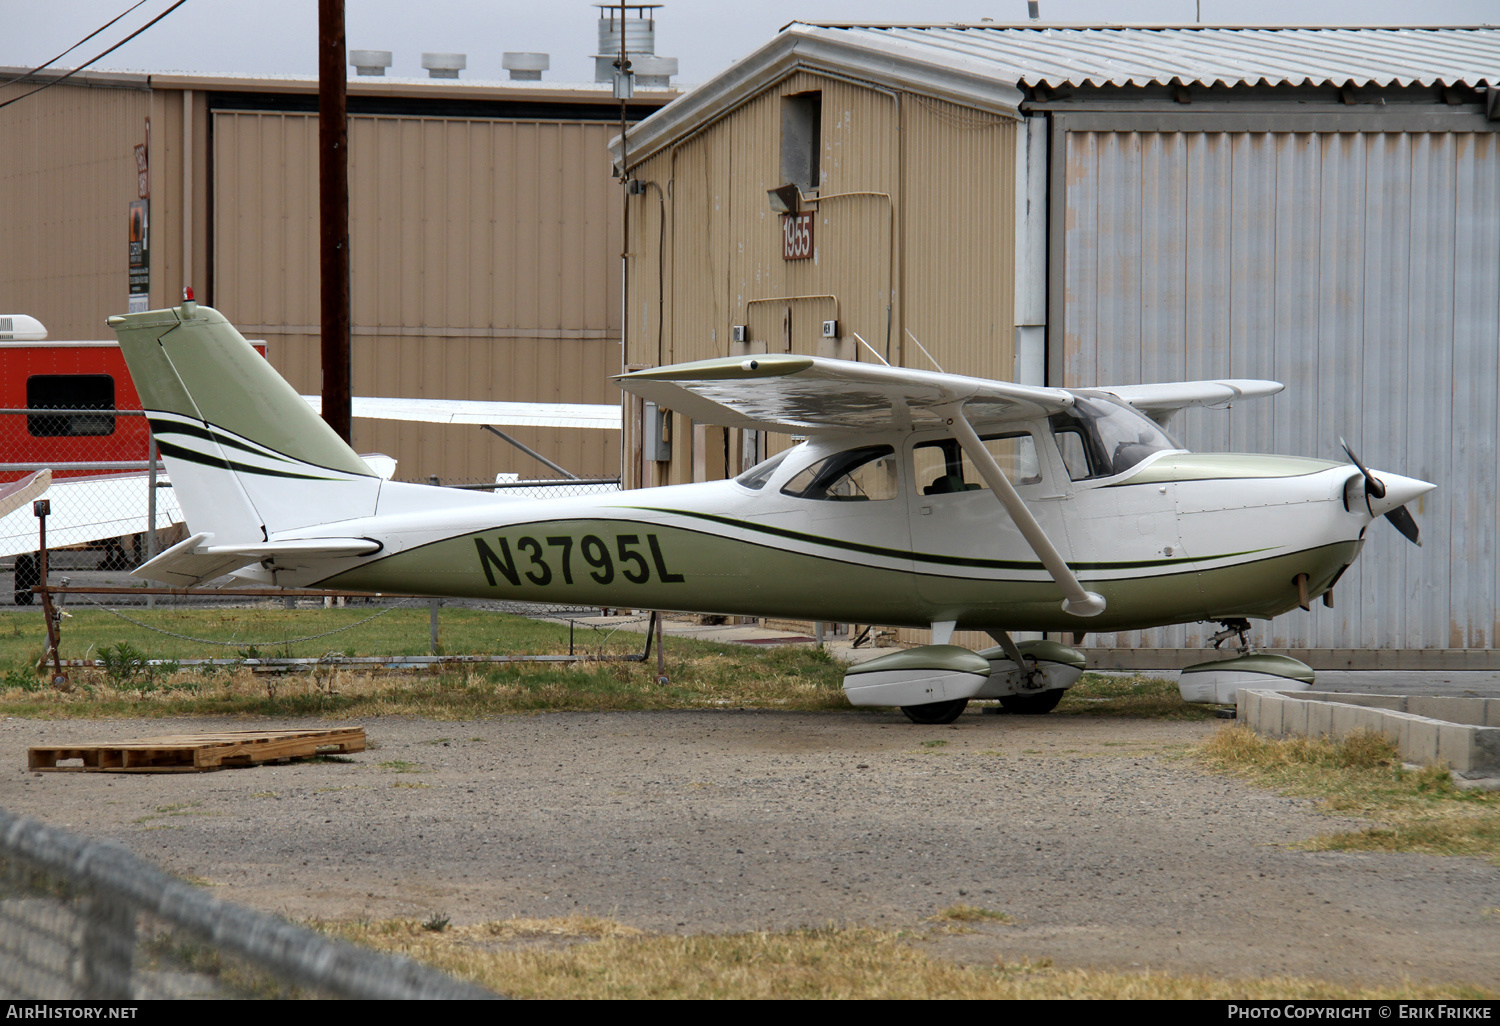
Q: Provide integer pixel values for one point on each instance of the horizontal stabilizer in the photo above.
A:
(194, 561)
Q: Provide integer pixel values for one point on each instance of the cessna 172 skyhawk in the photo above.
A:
(918, 499)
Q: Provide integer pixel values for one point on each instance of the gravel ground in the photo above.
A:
(1107, 848)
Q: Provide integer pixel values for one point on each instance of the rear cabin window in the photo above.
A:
(854, 475)
(85, 405)
(942, 466)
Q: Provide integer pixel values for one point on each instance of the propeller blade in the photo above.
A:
(1372, 483)
(1403, 521)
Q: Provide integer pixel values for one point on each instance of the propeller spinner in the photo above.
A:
(1388, 496)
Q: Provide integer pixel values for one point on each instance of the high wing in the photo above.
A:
(88, 509)
(475, 411)
(801, 394)
(1160, 401)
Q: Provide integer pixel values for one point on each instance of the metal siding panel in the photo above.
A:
(1080, 326)
(958, 251)
(67, 175)
(1476, 380)
(1427, 368)
(1362, 272)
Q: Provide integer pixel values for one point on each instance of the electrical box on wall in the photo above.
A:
(656, 433)
(739, 332)
(830, 329)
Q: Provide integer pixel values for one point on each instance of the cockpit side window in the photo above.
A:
(854, 475)
(943, 467)
(1101, 439)
(757, 476)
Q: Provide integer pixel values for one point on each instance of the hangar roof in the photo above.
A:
(1173, 54)
(987, 65)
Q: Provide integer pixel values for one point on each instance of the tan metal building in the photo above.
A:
(485, 231)
(1076, 206)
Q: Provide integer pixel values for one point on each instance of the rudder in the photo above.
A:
(248, 457)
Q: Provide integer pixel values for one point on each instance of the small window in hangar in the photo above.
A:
(801, 139)
(70, 392)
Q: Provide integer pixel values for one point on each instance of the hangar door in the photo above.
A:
(1360, 268)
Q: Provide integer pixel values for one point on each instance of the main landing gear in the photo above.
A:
(933, 684)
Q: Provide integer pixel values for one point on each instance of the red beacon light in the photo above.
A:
(187, 293)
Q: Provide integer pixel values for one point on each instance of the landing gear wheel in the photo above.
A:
(27, 575)
(936, 712)
(1034, 704)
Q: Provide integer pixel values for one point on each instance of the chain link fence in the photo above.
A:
(87, 920)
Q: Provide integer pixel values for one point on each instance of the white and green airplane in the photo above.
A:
(916, 499)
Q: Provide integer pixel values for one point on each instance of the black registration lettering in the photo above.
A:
(533, 548)
(662, 573)
(489, 562)
(596, 554)
(643, 574)
(566, 544)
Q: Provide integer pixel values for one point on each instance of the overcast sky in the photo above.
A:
(279, 37)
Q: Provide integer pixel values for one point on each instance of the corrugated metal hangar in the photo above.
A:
(1082, 206)
(485, 231)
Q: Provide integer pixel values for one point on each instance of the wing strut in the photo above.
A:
(1078, 601)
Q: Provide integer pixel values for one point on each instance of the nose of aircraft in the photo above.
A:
(1398, 492)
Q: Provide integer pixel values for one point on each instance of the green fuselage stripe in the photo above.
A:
(924, 557)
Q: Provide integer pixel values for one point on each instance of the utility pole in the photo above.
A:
(333, 210)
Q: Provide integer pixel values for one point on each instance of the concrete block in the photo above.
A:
(1449, 709)
(1266, 713)
(1485, 757)
(1372, 720)
(1492, 712)
(1319, 719)
(1456, 746)
(1394, 702)
(1398, 730)
(1422, 741)
(1247, 708)
(1294, 717)
(1345, 719)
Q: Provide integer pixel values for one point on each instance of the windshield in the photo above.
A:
(1100, 438)
(758, 475)
(855, 475)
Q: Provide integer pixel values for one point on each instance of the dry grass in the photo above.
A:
(700, 676)
(586, 958)
(971, 914)
(1361, 775)
(1135, 696)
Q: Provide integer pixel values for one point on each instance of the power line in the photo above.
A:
(106, 53)
(85, 39)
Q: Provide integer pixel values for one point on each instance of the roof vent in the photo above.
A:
(652, 72)
(525, 67)
(370, 62)
(444, 65)
(637, 24)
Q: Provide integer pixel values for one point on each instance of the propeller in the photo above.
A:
(1400, 517)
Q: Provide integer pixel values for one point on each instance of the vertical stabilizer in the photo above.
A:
(248, 457)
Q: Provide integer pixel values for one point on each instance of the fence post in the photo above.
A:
(432, 623)
(107, 947)
(150, 504)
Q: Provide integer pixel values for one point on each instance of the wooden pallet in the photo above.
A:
(195, 753)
